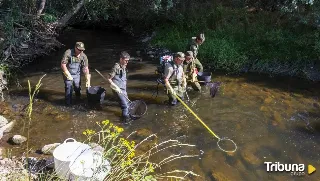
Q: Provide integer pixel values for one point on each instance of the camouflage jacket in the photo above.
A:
(189, 67)
(193, 46)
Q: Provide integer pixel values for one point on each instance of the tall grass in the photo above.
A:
(143, 161)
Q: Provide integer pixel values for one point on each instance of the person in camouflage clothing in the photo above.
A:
(174, 78)
(194, 44)
(191, 67)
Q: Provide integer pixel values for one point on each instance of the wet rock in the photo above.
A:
(96, 147)
(219, 176)
(264, 109)
(316, 105)
(48, 149)
(7, 128)
(143, 133)
(61, 117)
(248, 154)
(268, 100)
(277, 117)
(3, 121)
(18, 107)
(18, 139)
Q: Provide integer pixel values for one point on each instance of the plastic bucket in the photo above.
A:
(205, 77)
(95, 95)
(65, 153)
(102, 171)
(84, 167)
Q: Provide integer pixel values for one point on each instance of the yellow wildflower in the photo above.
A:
(88, 132)
(105, 122)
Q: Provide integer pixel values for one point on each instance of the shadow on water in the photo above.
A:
(144, 77)
(266, 117)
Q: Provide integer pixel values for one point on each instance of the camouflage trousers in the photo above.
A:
(195, 85)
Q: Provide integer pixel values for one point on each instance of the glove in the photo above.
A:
(168, 86)
(184, 83)
(88, 77)
(115, 88)
(68, 75)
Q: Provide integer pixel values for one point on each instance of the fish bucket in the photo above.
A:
(84, 167)
(65, 153)
(205, 77)
(95, 95)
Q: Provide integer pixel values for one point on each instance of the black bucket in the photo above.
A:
(205, 78)
(95, 95)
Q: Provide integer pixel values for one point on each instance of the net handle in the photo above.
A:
(108, 80)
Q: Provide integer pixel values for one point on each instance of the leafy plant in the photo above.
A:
(128, 161)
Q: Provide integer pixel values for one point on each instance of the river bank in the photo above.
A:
(270, 119)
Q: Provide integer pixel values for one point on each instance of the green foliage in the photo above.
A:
(240, 41)
(49, 18)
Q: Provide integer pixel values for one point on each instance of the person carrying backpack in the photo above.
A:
(191, 67)
(174, 78)
(194, 44)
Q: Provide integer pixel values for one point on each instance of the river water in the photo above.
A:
(270, 119)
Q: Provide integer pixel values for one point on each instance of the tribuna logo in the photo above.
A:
(294, 169)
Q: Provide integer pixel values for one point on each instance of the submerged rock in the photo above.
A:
(48, 149)
(248, 154)
(18, 139)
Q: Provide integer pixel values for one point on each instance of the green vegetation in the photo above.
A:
(276, 37)
(260, 42)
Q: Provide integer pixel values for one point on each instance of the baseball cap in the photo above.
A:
(189, 53)
(179, 55)
(80, 46)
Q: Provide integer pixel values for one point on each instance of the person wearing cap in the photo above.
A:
(73, 61)
(174, 78)
(118, 83)
(191, 67)
(194, 45)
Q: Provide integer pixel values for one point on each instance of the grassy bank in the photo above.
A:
(238, 41)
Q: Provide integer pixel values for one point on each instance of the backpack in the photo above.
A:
(164, 60)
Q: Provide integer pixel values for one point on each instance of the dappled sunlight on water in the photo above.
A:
(270, 119)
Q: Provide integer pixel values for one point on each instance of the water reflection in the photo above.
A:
(269, 119)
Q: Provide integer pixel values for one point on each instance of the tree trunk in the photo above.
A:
(64, 20)
(41, 7)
